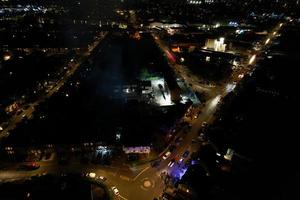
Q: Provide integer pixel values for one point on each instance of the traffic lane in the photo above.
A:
(52, 168)
(206, 116)
(155, 172)
(17, 119)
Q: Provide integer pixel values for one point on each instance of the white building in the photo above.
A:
(216, 44)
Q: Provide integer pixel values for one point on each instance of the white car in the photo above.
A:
(115, 190)
(204, 124)
(91, 175)
(241, 76)
(166, 155)
(102, 178)
(181, 160)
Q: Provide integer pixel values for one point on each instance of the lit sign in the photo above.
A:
(136, 149)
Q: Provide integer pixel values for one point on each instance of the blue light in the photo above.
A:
(194, 162)
(178, 171)
(232, 23)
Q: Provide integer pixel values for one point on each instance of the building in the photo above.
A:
(216, 44)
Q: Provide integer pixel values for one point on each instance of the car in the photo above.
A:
(101, 178)
(197, 114)
(91, 175)
(178, 141)
(181, 160)
(115, 190)
(201, 139)
(171, 163)
(241, 76)
(201, 134)
(186, 154)
(44, 173)
(166, 155)
(29, 166)
(19, 111)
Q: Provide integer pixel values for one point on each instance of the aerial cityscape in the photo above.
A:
(149, 99)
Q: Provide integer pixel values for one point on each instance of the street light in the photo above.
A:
(6, 57)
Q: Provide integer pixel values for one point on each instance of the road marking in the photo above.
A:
(158, 174)
(147, 184)
(122, 197)
(143, 188)
(140, 173)
(112, 173)
(125, 178)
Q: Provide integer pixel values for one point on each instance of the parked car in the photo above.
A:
(115, 190)
(186, 154)
(29, 166)
(101, 178)
(166, 155)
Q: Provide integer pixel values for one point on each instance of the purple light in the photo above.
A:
(194, 162)
(178, 171)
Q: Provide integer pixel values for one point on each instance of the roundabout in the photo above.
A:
(147, 184)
